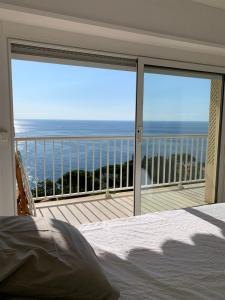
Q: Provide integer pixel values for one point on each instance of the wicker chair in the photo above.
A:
(25, 202)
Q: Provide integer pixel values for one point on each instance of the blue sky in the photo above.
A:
(176, 98)
(55, 91)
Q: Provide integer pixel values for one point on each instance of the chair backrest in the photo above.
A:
(25, 202)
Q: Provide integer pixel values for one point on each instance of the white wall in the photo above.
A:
(181, 18)
(7, 191)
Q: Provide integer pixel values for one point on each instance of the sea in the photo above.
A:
(45, 128)
(43, 162)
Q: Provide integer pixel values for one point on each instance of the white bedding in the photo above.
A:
(168, 255)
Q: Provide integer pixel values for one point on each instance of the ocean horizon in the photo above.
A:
(43, 128)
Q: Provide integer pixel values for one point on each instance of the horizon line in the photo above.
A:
(17, 119)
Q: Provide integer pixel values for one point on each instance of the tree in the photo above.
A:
(169, 171)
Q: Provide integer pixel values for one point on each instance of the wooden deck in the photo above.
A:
(96, 208)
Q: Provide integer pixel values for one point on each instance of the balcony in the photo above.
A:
(90, 179)
(96, 208)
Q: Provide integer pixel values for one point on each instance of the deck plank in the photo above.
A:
(56, 212)
(46, 213)
(105, 210)
(113, 207)
(71, 219)
(124, 206)
(39, 213)
(163, 201)
(183, 199)
(99, 214)
(87, 212)
(129, 202)
(157, 201)
(79, 215)
(96, 208)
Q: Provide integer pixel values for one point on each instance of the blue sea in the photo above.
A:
(67, 157)
(34, 128)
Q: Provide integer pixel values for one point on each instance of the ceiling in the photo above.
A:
(195, 20)
(214, 3)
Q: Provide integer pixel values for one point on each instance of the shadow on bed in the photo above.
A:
(191, 270)
(206, 217)
(194, 269)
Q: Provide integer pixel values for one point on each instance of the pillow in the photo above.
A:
(49, 259)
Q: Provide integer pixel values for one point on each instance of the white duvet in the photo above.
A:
(168, 255)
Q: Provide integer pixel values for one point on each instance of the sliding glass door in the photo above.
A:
(74, 117)
(178, 116)
(75, 131)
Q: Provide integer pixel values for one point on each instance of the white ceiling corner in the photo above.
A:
(213, 3)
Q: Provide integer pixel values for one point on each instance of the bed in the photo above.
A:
(167, 255)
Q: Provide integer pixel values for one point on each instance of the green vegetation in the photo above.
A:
(169, 165)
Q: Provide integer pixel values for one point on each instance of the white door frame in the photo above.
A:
(158, 63)
(138, 136)
(141, 62)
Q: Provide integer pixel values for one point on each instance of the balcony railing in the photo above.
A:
(59, 167)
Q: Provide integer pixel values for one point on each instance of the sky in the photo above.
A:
(176, 98)
(55, 91)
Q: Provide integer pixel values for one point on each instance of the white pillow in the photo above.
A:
(49, 259)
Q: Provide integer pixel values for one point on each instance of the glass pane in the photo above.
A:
(74, 143)
(180, 134)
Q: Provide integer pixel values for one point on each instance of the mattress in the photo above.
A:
(167, 255)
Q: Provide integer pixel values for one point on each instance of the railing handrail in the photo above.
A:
(166, 160)
(107, 137)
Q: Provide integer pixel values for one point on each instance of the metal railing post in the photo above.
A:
(111, 171)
